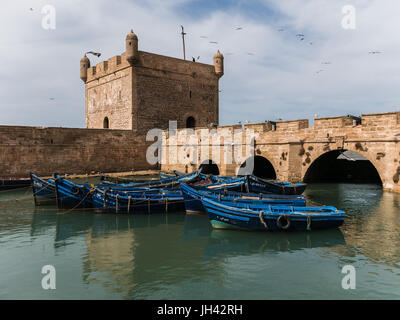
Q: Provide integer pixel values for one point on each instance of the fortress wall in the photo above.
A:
(293, 146)
(149, 93)
(334, 122)
(167, 88)
(109, 94)
(69, 150)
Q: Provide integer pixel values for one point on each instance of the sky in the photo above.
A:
(271, 73)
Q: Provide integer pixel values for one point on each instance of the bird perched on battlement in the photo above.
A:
(94, 53)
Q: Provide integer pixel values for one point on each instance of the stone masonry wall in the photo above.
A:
(69, 150)
(173, 89)
(293, 146)
(109, 94)
(148, 94)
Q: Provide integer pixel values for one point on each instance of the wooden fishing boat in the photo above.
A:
(271, 218)
(257, 185)
(44, 191)
(138, 202)
(70, 194)
(193, 195)
(10, 184)
(164, 182)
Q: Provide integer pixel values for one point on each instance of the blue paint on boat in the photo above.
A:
(272, 218)
(193, 195)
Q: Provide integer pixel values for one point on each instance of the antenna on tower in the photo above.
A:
(183, 40)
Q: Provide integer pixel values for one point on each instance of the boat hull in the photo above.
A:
(44, 191)
(136, 203)
(226, 217)
(193, 195)
(257, 185)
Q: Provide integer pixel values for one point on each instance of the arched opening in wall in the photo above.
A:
(190, 122)
(209, 167)
(342, 166)
(259, 166)
(106, 123)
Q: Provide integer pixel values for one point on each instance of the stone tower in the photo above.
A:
(140, 91)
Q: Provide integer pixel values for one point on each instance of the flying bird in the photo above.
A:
(325, 63)
(203, 37)
(94, 53)
(215, 42)
(374, 52)
(31, 9)
(281, 29)
(300, 35)
(250, 53)
(238, 28)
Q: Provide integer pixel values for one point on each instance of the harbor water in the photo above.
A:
(179, 256)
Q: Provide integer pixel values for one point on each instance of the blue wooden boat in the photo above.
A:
(43, 190)
(70, 194)
(161, 183)
(257, 185)
(10, 184)
(193, 196)
(271, 218)
(138, 202)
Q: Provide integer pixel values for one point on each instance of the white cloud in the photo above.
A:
(278, 81)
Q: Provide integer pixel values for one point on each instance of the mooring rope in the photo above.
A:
(262, 219)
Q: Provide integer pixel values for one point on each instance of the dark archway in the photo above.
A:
(190, 122)
(342, 166)
(106, 123)
(263, 168)
(209, 167)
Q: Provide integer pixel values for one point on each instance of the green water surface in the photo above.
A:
(179, 256)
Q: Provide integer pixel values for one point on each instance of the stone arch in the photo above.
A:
(337, 166)
(106, 123)
(209, 167)
(261, 167)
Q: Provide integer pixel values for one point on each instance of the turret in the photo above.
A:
(85, 65)
(132, 53)
(219, 64)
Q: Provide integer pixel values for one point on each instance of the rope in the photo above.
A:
(308, 223)
(80, 202)
(262, 219)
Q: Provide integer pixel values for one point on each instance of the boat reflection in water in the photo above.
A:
(226, 243)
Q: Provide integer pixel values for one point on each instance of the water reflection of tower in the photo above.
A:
(110, 260)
